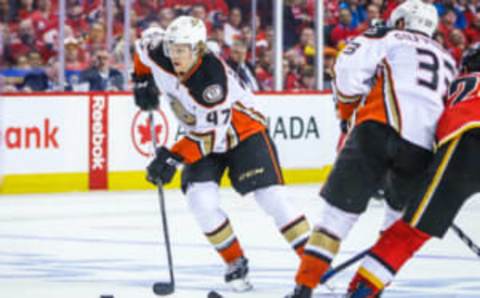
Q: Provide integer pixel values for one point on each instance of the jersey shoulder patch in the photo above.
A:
(158, 56)
(208, 84)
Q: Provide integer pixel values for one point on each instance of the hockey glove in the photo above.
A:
(145, 92)
(163, 167)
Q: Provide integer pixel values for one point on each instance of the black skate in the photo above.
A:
(300, 292)
(236, 275)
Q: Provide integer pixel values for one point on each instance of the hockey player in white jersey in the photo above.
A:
(224, 131)
(394, 80)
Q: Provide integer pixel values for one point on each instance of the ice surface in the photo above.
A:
(87, 244)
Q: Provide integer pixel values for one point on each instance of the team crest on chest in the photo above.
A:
(213, 93)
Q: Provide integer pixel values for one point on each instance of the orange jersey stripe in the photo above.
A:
(188, 149)
(244, 125)
(139, 67)
(345, 110)
(374, 106)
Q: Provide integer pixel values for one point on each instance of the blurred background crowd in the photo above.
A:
(29, 38)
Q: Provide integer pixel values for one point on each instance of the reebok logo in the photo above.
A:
(97, 133)
(98, 141)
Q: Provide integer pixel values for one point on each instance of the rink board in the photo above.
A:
(99, 141)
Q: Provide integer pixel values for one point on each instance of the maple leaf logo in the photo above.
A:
(145, 132)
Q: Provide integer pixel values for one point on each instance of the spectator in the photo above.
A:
(264, 70)
(292, 21)
(306, 46)
(6, 14)
(357, 11)
(96, 39)
(43, 18)
(329, 56)
(458, 44)
(35, 60)
(290, 78)
(451, 5)
(307, 79)
(23, 41)
(331, 8)
(447, 24)
(218, 35)
(25, 9)
(166, 17)
(238, 62)
(373, 13)
(344, 30)
(74, 61)
(102, 77)
(233, 27)
(77, 20)
(145, 8)
(14, 76)
(199, 11)
(473, 31)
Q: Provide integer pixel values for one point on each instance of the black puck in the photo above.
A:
(106, 296)
(214, 294)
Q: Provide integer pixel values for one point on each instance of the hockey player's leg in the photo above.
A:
(290, 221)
(391, 215)
(396, 246)
(323, 245)
(204, 202)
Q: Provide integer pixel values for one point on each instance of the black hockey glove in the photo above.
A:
(145, 92)
(163, 167)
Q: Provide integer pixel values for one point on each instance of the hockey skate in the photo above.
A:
(363, 290)
(237, 275)
(300, 292)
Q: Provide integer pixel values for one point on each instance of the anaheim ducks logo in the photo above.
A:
(213, 93)
(181, 112)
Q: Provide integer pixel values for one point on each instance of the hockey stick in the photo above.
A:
(467, 240)
(162, 288)
(333, 271)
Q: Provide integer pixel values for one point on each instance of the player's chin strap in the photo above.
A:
(337, 269)
(162, 288)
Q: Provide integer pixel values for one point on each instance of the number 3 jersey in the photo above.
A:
(398, 78)
(210, 104)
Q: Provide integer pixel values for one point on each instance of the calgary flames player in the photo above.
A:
(395, 81)
(224, 131)
(451, 179)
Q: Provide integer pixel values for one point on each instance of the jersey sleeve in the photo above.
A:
(356, 67)
(141, 63)
(188, 149)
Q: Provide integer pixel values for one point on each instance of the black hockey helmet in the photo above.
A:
(471, 59)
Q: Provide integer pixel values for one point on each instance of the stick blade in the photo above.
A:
(163, 288)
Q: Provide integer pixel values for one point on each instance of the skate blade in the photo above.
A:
(241, 285)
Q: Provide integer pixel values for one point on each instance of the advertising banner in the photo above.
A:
(97, 141)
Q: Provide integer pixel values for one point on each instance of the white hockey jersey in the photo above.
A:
(399, 78)
(209, 102)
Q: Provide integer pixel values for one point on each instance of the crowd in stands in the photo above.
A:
(29, 38)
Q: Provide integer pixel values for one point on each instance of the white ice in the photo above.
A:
(83, 245)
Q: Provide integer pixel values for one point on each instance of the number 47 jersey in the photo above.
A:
(210, 103)
(398, 78)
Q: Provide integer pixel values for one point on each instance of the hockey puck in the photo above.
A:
(214, 294)
(106, 296)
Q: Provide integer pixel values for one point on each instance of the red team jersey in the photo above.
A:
(462, 110)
